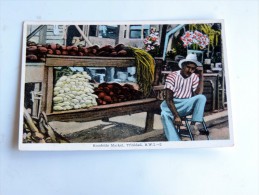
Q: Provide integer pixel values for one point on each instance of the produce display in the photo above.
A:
(109, 93)
(37, 53)
(145, 63)
(74, 92)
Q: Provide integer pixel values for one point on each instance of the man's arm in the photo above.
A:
(170, 103)
(200, 87)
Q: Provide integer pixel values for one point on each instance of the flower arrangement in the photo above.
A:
(151, 42)
(197, 38)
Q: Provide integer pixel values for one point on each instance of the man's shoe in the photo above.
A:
(195, 130)
(186, 139)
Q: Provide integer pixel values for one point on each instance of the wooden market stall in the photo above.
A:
(149, 105)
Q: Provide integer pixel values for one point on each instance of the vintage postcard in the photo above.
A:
(124, 85)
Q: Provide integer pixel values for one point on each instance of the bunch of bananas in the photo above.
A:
(145, 64)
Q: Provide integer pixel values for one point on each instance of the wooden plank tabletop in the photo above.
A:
(104, 111)
(90, 61)
(61, 60)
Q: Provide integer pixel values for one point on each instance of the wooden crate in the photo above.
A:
(209, 93)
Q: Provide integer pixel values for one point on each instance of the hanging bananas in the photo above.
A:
(145, 64)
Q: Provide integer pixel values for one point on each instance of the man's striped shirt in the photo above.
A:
(182, 87)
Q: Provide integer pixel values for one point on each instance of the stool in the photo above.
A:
(187, 123)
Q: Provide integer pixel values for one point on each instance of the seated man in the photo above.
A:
(183, 96)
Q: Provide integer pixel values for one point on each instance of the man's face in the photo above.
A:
(188, 69)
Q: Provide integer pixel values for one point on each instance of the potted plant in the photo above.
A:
(151, 42)
(195, 42)
(213, 35)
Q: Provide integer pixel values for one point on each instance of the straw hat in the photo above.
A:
(190, 58)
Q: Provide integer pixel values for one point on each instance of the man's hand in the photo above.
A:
(177, 121)
(199, 69)
(200, 86)
(170, 103)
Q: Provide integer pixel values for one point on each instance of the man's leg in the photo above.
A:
(192, 106)
(167, 121)
(198, 108)
(197, 103)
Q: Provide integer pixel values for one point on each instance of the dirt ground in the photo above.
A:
(119, 128)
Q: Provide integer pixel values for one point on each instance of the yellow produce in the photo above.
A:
(73, 92)
(145, 70)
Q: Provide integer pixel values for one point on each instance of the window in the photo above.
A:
(92, 30)
(125, 32)
(106, 31)
(71, 33)
(103, 31)
(146, 29)
(135, 31)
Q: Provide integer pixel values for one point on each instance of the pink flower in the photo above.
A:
(195, 37)
(187, 34)
(154, 39)
(151, 42)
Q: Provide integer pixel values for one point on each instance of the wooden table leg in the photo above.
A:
(149, 122)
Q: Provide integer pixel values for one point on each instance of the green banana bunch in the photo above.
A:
(145, 64)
